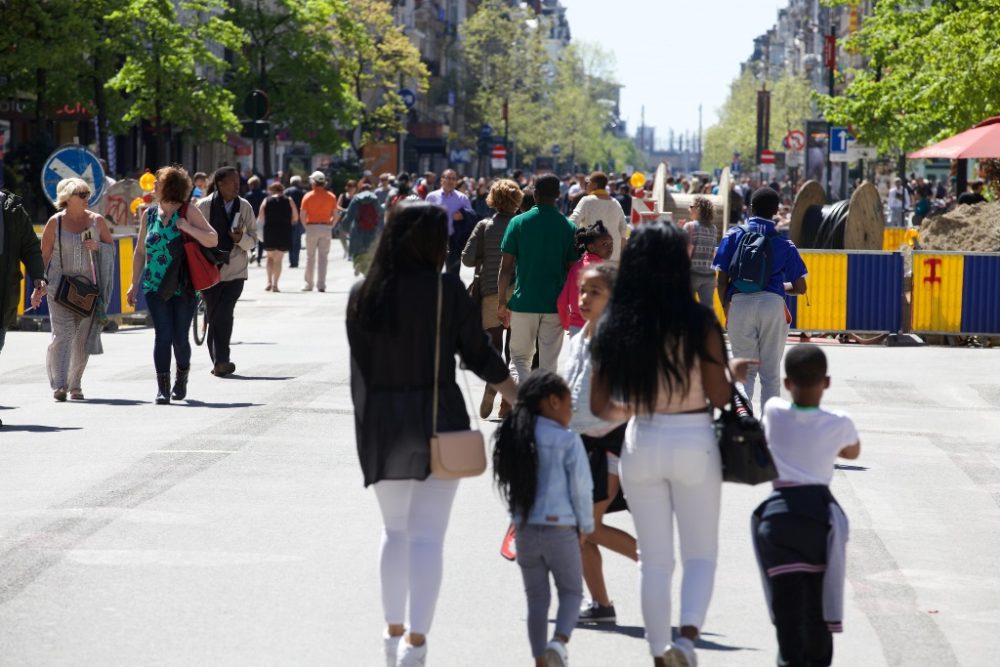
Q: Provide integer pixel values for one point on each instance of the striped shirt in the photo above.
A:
(702, 239)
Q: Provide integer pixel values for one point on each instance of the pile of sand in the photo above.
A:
(968, 228)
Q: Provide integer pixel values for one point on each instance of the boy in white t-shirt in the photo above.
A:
(800, 532)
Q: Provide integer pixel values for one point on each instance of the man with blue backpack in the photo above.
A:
(757, 268)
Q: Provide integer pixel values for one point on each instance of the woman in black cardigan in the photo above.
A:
(391, 328)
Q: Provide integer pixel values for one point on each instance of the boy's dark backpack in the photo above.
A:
(751, 267)
(368, 215)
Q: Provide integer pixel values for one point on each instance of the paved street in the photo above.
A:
(233, 529)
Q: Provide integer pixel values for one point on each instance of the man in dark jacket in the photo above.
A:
(18, 243)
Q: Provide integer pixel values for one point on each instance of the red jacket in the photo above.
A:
(568, 303)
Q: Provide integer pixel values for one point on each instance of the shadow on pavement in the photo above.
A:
(240, 342)
(114, 401)
(191, 403)
(841, 466)
(634, 631)
(237, 376)
(37, 428)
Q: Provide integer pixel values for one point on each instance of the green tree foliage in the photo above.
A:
(791, 105)
(173, 65)
(376, 59)
(567, 103)
(933, 69)
(503, 58)
(290, 54)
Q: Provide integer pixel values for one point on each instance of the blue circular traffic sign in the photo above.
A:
(408, 96)
(72, 161)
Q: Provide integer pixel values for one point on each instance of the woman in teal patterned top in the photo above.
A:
(157, 268)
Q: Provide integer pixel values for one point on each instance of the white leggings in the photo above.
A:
(415, 514)
(670, 467)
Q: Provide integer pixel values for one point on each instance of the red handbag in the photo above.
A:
(203, 270)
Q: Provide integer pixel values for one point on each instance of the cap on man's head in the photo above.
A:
(765, 202)
(317, 177)
(296, 180)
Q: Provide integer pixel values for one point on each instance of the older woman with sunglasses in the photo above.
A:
(70, 246)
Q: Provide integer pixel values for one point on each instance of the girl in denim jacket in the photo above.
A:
(542, 472)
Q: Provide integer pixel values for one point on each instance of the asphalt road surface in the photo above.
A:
(233, 528)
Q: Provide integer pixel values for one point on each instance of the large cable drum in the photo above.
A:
(678, 204)
(854, 224)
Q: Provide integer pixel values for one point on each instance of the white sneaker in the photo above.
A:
(412, 656)
(391, 645)
(681, 654)
(556, 654)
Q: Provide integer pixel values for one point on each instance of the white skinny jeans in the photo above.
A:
(670, 467)
(416, 515)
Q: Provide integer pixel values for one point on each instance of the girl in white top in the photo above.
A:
(596, 283)
(659, 362)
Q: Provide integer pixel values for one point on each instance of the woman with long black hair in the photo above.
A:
(392, 327)
(659, 361)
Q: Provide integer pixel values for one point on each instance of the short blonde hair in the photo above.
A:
(505, 196)
(68, 187)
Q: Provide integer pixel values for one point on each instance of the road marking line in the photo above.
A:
(195, 451)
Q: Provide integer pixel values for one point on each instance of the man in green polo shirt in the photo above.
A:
(538, 248)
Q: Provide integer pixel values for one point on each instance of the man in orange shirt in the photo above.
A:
(319, 214)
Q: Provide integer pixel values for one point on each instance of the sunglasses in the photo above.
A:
(82, 195)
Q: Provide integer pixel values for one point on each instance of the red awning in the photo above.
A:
(982, 141)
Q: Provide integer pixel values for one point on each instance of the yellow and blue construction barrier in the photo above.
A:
(851, 291)
(118, 305)
(956, 293)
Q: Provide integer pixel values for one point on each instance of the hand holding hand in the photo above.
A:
(36, 297)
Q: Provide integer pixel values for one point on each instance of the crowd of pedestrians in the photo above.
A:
(625, 425)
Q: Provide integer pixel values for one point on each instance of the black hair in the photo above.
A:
(528, 200)
(547, 187)
(219, 175)
(765, 202)
(805, 365)
(587, 235)
(415, 238)
(607, 272)
(515, 456)
(653, 329)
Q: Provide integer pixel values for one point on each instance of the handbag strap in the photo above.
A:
(437, 353)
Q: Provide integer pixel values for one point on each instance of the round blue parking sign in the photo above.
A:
(72, 161)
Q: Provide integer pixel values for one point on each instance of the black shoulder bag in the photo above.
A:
(742, 445)
(75, 292)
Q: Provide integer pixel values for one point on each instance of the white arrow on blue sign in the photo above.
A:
(72, 161)
(409, 97)
(840, 138)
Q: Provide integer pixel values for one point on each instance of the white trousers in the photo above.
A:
(416, 515)
(670, 469)
(318, 241)
(67, 354)
(525, 329)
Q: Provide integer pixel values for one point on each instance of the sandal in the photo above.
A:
(76, 394)
(59, 394)
(275, 289)
(268, 288)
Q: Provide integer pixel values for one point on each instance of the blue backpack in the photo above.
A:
(751, 267)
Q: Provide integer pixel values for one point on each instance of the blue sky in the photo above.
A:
(673, 55)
